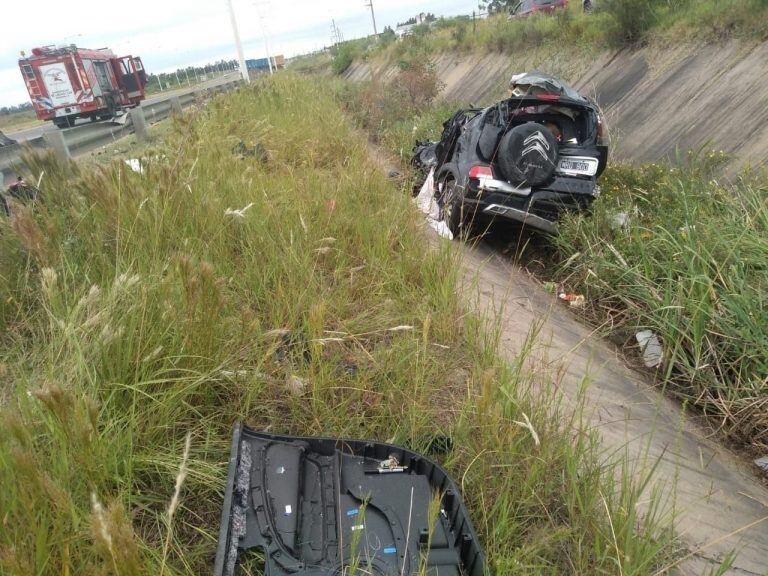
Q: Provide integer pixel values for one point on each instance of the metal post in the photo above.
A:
(55, 139)
(139, 124)
(175, 105)
(240, 56)
(373, 17)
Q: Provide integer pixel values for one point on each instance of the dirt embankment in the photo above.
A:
(657, 100)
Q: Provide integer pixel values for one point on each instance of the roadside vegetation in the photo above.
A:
(679, 251)
(613, 24)
(262, 268)
(18, 120)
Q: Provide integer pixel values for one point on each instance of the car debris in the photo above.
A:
(528, 158)
(21, 191)
(762, 463)
(317, 506)
(257, 151)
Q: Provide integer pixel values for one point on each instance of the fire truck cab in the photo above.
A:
(66, 83)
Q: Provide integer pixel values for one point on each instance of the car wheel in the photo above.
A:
(452, 207)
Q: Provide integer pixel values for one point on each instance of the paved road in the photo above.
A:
(37, 131)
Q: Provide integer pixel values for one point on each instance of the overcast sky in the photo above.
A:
(172, 33)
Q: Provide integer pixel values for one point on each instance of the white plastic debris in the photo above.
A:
(237, 213)
(619, 220)
(427, 203)
(441, 228)
(295, 385)
(651, 348)
(762, 463)
(135, 165)
(426, 200)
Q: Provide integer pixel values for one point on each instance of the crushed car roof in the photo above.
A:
(545, 82)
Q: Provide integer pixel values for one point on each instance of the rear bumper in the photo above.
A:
(538, 208)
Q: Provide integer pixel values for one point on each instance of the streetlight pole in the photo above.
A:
(240, 56)
(373, 17)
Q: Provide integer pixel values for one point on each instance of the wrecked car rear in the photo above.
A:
(528, 158)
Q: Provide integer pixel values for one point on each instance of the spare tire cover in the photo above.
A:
(528, 154)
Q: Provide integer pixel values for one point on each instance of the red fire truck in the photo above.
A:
(66, 83)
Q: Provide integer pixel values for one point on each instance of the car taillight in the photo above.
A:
(480, 172)
(548, 96)
(600, 130)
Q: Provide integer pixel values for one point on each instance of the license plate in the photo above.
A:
(580, 166)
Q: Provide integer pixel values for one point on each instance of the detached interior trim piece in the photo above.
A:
(321, 506)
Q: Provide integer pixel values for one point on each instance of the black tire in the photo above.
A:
(528, 155)
(454, 211)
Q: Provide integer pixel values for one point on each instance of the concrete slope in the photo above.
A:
(720, 505)
(657, 100)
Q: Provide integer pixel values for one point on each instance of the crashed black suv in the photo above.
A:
(528, 158)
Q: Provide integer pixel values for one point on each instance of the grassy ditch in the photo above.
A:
(689, 264)
(263, 268)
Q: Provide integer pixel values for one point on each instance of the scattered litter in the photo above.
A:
(574, 300)
(393, 174)
(389, 550)
(651, 348)
(237, 213)
(358, 527)
(442, 229)
(762, 463)
(288, 510)
(353, 512)
(135, 165)
(295, 385)
(619, 220)
(550, 287)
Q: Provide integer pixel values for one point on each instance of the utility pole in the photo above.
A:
(236, 33)
(373, 17)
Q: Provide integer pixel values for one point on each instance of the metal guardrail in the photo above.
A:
(87, 137)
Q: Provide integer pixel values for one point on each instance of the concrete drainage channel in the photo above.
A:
(88, 137)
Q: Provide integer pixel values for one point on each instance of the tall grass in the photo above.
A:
(614, 24)
(142, 314)
(690, 264)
